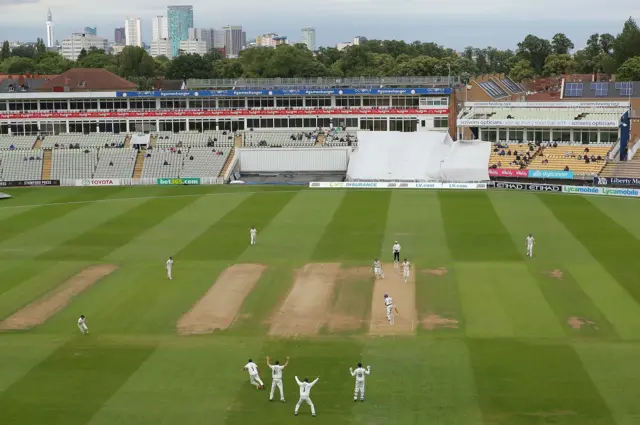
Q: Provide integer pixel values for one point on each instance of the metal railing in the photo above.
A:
(309, 83)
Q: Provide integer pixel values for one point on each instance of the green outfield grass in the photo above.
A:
(549, 340)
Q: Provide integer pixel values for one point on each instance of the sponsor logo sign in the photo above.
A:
(503, 172)
(393, 185)
(587, 190)
(288, 92)
(616, 181)
(539, 123)
(550, 174)
(562, 105)
(98, 182)
(179, 181)
(464, 186)
(314, 184)
(195, 113)
(19, 183)
(528, 186)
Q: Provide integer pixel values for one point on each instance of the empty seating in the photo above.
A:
(83, 140)
(289, 139)
(195, 139)
(73, 163)
(115, 163)
(20, 165)
(162, 163)
(205, 162)
(18, 142)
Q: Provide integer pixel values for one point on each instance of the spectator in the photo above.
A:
(110, 163)
(599, 158)
(579, 157)
(191, 158)
(555, 145)
(509, 152)
(12, 147)
(165, 162)
(566, 168)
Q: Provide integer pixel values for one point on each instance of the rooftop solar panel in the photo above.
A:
(511, 85)
(625, 87)
(601, 89)
(493, 89)
(573, 90)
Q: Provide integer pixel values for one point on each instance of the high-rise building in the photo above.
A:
(271, 40)
(219, 39)
(133, 32)
(179, 20)
(91, 30)
(160, 28)
(204, 34)
(193, 46)
(161, 47)
(235, 40)
(119, 36)
(72, 46)
(357, 40)
(308, 38)
(49, 29)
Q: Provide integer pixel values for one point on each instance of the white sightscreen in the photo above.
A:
(429, 156)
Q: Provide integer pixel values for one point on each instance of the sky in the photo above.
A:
(455, 24)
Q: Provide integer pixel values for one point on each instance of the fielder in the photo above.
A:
(169, 267)
(396, 254)
(276, 374)
(406, 270)
(305, 389)
(359, 373)
(254, 377)
(82, 325)
(388, 303)
(377, 269)
(530, 243)
(253, 232)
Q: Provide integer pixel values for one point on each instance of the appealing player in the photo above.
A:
(276, 374)
(377, 269)
(530, 243)
(388, 303)
(82, 324)
(305, 389)
(359, 373)
(253, 232)
(396, 254)
(406, 270)
(169, 267)
(254, 377)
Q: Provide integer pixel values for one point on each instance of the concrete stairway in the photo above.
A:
(127, 141)
(46, 164)
(137, 168)
(227, 163)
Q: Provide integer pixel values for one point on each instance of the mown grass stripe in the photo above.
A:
(607, 241)
(30, 218)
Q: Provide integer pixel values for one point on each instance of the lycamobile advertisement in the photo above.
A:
(586, 190)
(177, 182)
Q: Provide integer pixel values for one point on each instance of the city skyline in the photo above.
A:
(331, 34)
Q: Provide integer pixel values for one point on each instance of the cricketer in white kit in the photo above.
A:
(388, 303)
(254, 376)
(396, 254)
(82, 325)
(276, 375)
(377, 269)
(169, 268)
(305, 389)
(406, 270)
(359, 373)
(530, 243)
(253, 233)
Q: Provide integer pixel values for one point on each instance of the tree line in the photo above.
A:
(533, 57)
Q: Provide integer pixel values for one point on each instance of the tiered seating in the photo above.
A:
(20, 165)
(18, 142)
(341, 138)
(154, 165)
(73, 163)
(115, 163)
(272, 139)
(568, 114)
(509, 160)
(205, 163)
(195, 139)
(83, 140)
(557, 158)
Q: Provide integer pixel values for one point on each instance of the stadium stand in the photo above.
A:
(569, 114)
(163, 163)
(580, 159)
(83, 140)
(18, 142)
(115, 163)
(20, 165)
(194, 139)
(274, 139)
(204, 162)
(341, 139)
(512, 156)
(73, 163)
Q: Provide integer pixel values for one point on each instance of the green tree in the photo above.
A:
(53, 65)
(227, 68)
(627, 43)
(98, 59)
(188, 66)
(5, 53)
(143, 83)
(499, 60)
(82, 55)
(421, 65)
(522, 70)
(535, 50)
(40, 46)
(24, 52)
(558, 64)
(293, 61)
(630, 70)
(329, 55)
(160, 64)
(561, 45)
(134, 61)
(17, 65)
(606, 43)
